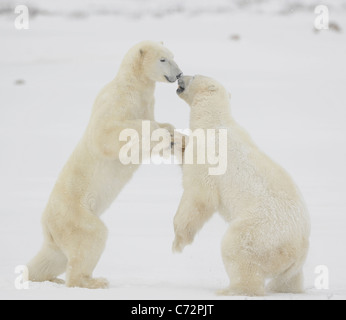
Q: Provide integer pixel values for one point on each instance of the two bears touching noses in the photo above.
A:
(269, 226)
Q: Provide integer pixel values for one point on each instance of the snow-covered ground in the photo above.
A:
(288, 90)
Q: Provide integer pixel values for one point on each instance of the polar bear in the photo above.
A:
(74, 235)
(268, 235)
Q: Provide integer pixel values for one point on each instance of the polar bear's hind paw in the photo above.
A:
(89, 283)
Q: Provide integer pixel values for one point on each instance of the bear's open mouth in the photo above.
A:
(180, 90)
(181, 86)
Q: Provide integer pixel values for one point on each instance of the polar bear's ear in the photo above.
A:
(161, 42)
(212, 88)
(229, 95)
(142, 52)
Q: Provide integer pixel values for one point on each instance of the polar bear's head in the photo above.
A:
(199, 86)
(158, 62)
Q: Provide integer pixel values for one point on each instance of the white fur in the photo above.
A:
(268, 235)
(74, 235)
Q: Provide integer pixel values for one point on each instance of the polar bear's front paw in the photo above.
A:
(181, 241)
(168, 127)
(177, 246)
(180, 141)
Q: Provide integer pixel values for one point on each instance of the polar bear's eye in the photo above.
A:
(163, 60)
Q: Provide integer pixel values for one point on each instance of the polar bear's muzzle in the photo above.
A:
(171, 80)
(181, 86)
(174, 78)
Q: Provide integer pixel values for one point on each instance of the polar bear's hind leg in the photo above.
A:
(244, 271)
(48, 264)
(288, 282)
(84, 249)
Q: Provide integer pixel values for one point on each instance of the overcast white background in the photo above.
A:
(288, 90)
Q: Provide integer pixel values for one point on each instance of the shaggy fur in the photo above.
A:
(268, 235)
(74, 235)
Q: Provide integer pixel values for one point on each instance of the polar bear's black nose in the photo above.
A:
(179, 75)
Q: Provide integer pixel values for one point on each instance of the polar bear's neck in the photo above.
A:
(136, 80)
(131, 72)
(139, 88)
(208, 114)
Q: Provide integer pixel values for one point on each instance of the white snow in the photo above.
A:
(157, 8)
(288, 91)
